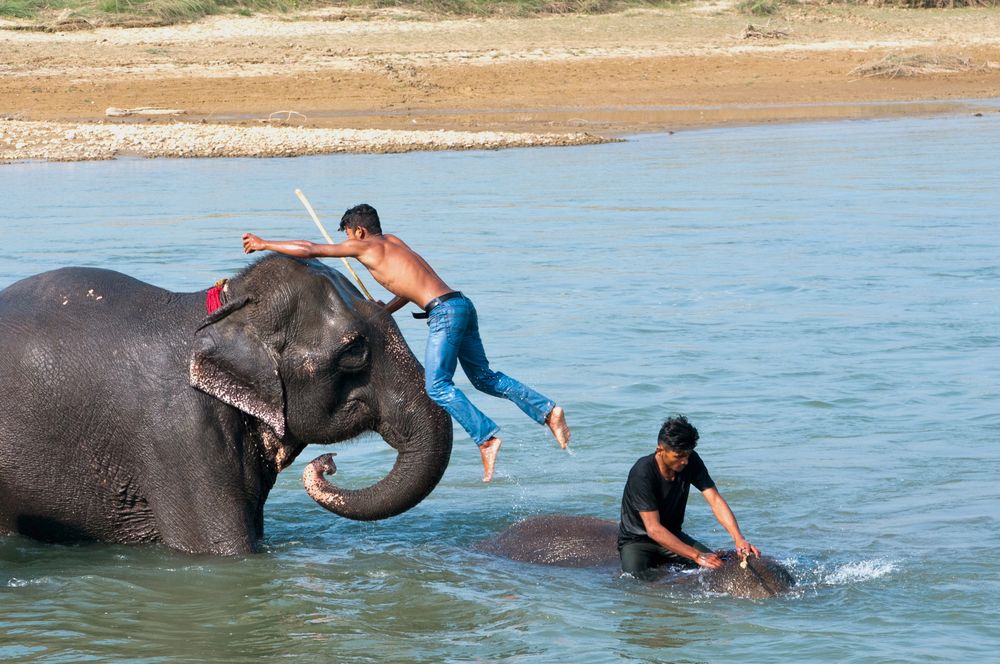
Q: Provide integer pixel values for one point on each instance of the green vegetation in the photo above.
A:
(758, 7)
(518, 7)
(168, 11)
(771, 7)
(32, 8)
(165, 10)
(185, 10)
(16, 8)
(932, 4)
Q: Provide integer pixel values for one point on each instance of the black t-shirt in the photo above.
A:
(647, 491)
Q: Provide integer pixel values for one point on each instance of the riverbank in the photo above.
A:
(355, 79)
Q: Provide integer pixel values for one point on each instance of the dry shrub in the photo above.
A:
(902, 66)
(753, 32)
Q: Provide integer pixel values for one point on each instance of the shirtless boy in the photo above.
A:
(451, 317)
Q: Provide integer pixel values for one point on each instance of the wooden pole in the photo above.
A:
(312, 213)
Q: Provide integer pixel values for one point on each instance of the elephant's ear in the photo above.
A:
(229, 362)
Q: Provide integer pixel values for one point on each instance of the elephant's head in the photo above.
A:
(752, 578)
(296, 347)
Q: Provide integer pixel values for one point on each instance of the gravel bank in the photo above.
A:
(52, 141)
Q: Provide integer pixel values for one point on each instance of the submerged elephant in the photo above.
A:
(585, 541)
(563, 541)
(758, 578)
(129, 415)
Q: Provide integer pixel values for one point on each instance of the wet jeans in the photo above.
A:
(454, 337)
(638, 558)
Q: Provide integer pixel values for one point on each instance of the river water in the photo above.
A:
(822, 300)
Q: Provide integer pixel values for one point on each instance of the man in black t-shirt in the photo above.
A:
(653, 503)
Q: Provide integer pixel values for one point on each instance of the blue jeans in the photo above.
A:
(454, 337)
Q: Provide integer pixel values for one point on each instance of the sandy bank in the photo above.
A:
(376, 81)
(62, 141)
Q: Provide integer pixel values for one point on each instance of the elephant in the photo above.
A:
(562, 541)
(586, 541)
(132, 414)
(759, 578)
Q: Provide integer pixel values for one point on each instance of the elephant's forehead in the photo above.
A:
(342, 290)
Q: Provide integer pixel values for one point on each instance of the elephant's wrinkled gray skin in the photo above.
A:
(563, 541)
(127, 415)
(761, 577)
(585, 541)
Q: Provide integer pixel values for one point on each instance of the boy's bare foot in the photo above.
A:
(488, 451)
(557, 423)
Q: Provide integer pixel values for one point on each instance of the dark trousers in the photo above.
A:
(638, 558)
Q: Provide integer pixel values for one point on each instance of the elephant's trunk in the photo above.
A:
(420, 464)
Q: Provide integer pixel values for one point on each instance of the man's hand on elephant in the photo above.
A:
(709, 560)
(252, 243)
(745, 548)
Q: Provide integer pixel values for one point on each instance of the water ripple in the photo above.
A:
(830, 326)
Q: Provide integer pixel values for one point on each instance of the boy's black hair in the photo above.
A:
(363, 216)
(678, 434)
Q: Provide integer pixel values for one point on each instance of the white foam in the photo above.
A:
(24, 583)
(864, 570)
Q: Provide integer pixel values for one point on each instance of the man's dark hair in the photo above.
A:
(678, 434)
(362, 216)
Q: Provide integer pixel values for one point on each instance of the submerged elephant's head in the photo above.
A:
(753, 578)
(297, 347)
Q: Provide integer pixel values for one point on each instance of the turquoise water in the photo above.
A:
(820, 299)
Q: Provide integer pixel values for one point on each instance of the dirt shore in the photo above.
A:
(294, 84)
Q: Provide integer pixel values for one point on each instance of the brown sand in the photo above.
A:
(566, 79)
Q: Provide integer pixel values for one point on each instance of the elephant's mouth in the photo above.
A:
(361, 416)
(280, 453)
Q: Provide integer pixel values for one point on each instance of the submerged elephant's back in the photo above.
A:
(563, 541)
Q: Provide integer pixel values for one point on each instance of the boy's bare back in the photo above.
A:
(400, 270)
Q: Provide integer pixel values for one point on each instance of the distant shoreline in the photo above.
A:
(389, 81)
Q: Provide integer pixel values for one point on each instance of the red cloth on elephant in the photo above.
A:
(213, 299)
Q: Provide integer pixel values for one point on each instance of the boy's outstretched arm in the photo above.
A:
(301, 248)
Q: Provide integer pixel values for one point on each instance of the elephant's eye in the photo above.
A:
(353, 356)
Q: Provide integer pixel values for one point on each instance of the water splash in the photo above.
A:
(859, 572)
(15, 582)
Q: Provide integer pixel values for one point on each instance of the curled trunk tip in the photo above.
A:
(413, 476)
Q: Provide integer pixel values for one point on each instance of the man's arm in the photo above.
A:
(727, 519)
(666, 539)
(303, 248)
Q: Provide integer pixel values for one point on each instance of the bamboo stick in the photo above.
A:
(312, 213)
